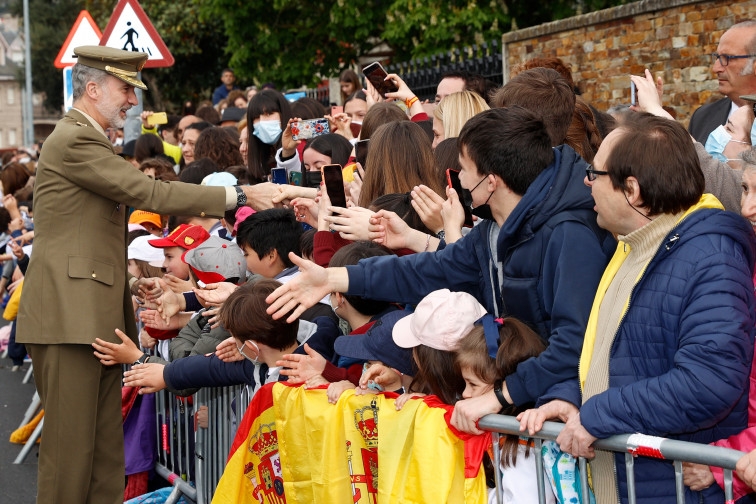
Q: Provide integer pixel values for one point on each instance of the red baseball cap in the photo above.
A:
(184, 236)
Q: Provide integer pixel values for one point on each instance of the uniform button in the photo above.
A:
(94, 275)
(202, 214)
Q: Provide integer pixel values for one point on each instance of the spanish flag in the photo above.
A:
(292, 446)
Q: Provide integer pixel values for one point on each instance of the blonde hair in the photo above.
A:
(456, 109)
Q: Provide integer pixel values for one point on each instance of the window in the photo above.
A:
(12, 136)
(11, 95)
(1, 138)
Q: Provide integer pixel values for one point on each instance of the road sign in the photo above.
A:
(67, 89)
(84, 32)
(130, 29)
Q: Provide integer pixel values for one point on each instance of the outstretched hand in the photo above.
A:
(301, 368)
(301, 292)
(125, 352)
(649, 95)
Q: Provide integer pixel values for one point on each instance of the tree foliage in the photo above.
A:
(287, 42)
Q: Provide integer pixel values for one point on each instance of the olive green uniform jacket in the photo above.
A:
(76, 286)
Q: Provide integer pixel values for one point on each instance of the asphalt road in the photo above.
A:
(18, 483)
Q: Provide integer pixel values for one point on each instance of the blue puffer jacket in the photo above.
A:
(552, 253)
(681, 358)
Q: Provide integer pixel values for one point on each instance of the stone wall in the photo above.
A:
(672, 38)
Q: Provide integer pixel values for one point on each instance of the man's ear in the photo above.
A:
(633, 192)
(93, 90)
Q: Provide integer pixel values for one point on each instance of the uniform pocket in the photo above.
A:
(115, 214)
(86, 267)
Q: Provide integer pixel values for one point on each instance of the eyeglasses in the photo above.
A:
(724, 59)
(591, 173)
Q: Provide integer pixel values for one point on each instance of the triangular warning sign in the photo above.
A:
(130, 29)
(84, 32)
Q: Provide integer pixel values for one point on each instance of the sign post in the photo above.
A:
(130, 29)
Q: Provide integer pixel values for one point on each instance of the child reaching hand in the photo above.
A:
(516, 343)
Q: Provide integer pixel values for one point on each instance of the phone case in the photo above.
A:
(302, 130)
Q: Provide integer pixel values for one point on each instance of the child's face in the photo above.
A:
(474, 386)
(134, 269)
(173, 263)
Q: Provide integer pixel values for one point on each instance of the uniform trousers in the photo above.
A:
(83, 426)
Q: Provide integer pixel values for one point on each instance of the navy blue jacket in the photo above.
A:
(197, 371)
(681, 357)
(553, 254)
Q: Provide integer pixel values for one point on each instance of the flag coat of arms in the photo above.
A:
(293, 446)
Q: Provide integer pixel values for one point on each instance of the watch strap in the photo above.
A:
(500, 395)
(241, 197)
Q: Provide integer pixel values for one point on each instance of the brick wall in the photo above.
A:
(671, 38)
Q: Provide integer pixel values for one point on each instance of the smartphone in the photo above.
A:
(334, 184)
(361, 152)
(313, 178)
(295, 178)
(278, 176)
(157, 118)
(632, 93)
(303, 130)
(375, 73)
(336, 110)
(452, 178)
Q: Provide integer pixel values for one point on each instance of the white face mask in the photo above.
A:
(254, 361)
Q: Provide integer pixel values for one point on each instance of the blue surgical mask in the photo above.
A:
(268, 131)
(753, 134)
(718, 140)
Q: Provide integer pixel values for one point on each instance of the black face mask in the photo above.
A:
(312, 178)
(482, 211)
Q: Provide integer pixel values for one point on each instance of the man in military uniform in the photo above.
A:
(77, 287)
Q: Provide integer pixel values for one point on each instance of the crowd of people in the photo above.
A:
(591, 267)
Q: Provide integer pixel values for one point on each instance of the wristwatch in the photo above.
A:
(241, 197)
(142, 360)
(441, 235)
(498, 384)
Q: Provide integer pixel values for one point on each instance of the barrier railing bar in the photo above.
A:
(497, 464)
(583, 466)
(630, 471)
(679, 485)
(180, 487)
(670, 449)
(539, 472)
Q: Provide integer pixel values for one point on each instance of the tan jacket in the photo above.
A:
(76, 286)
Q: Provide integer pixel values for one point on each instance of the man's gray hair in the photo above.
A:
(749, 158)
(750, 47)
(81, 74)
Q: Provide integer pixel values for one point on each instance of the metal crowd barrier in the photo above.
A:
(226, 407)
(192, 458)
(630, 444)
(175, 440)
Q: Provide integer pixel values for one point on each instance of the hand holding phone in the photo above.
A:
(632, 93)
(334, 184)
(157, 118)
(376, 74)
(304, 130)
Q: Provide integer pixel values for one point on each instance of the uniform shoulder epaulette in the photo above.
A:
(82, 124)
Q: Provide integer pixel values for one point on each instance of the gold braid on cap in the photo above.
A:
(118, 71)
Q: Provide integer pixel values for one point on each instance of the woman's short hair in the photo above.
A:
(218, 145)
(456, 109)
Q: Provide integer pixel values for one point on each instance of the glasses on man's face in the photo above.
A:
(724, 59)
(591, 173)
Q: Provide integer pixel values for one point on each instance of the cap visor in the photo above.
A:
(402, 333)
(162, 243)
